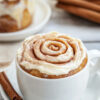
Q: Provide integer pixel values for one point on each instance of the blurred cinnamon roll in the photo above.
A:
(15, 14)
(52, 55)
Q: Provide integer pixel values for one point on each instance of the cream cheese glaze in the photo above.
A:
(31, 6)
(16, 10)
(52, 53)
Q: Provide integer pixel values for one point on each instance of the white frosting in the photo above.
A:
(70, 60)
(31, 6)
(15, 11)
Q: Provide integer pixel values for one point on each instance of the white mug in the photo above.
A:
(68, 88)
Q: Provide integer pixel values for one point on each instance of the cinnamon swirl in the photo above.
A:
(52, 55)
(15, 14)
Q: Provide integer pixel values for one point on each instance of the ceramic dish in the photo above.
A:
(40, 19)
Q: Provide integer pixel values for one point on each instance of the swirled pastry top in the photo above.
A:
(52, 53)
(15, 9)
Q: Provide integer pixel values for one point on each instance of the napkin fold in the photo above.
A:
(7, 52)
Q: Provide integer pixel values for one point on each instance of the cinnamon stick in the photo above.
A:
(8, 88)
(84, 13)
(4, 64)
(82, 3)
(94, 1)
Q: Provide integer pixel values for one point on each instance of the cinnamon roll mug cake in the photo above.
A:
(15, 14)
(52, 56)
(52, 66)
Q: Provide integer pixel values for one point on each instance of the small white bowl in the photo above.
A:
(41, 17)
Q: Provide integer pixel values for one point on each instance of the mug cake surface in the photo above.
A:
(52, 55)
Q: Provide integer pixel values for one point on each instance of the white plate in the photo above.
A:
(41, 17)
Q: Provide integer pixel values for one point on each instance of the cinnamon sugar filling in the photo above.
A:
(52, 55)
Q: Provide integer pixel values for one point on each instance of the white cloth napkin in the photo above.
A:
(93, 88)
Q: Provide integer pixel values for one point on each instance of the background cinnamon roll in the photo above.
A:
(15, 14)
(52, 55)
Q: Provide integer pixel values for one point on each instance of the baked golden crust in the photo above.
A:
(10, 2)
(27, 19)
(37, 73)
(8, 24)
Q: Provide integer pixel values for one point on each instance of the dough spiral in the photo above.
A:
(52, 53)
